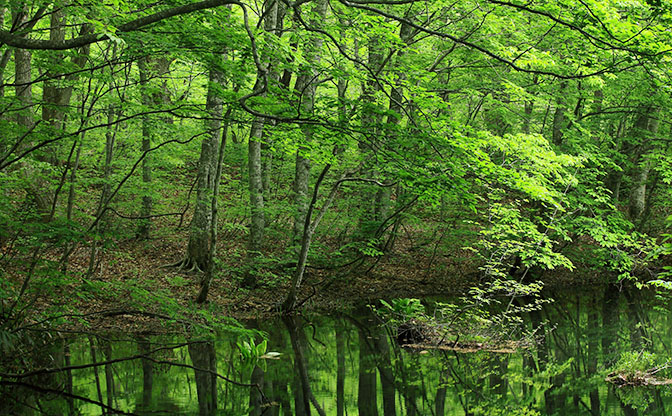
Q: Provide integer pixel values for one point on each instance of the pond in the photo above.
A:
(351, 363)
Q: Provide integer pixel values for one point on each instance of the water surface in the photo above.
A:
(351, 363)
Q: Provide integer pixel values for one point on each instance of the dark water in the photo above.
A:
(351, 364)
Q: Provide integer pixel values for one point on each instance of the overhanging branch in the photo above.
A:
(21, 42)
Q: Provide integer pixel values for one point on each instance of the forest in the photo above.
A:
(443, 170)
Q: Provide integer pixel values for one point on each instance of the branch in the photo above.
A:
(66, 394)
(43, 371)
(11, 39)
(482, 49)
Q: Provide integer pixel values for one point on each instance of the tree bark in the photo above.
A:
(367, 402)
(205, 362)
(560, 117)
(304, 91)
(272, 15)
(645, 127)
(146, 211)
(198, 249)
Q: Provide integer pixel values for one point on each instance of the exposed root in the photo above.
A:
(186, 265)
(177, 264)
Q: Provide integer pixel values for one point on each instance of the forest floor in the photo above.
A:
(132, 287)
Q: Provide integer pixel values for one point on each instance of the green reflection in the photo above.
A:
(352, 364)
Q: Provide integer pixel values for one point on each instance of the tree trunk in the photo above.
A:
(273, 15)
(256, 188)
(304, 91)
(645, 127)
(37, 186)
(152, 100)
(205, 362)
(340, 368)
(559, 117)
(301, 367)
(198, 249)
(146, 211)
(367, 402)
(144, 346)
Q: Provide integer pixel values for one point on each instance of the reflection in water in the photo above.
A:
(204, 360)
(351, 364)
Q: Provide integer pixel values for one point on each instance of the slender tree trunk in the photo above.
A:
(340, 368)
(593, 352)
(304, 91)
(146, 211)
(646, 126)
(37, 185)
(256, 189)
(301, 368)
(560, 116)
(210, 270)
(110, 389)
(527, 121)
(198, 249)
(205, 362)
(256, 400)
(273, 16)
(144, 346)
(384, 364)
(367, 402)
(152, 99)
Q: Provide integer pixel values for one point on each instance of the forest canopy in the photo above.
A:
(273, 143)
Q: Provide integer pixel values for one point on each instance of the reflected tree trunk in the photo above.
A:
(279, 375)
(68, 377)
(256, 399)
(94, 360)
(144, 347)
(441, 393)
(385, 370)
(609, 322)
(367, 402)
(106, 348)
(301, 368)
(204, 359)
(593, 353)
(498, 384)
(340, 368)
(411, 388)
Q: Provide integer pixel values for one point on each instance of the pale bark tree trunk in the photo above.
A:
(340, 368)
(256, 189)
(645, 127)
(210, 270)
(371, 122)
(148, 69)
(146, 211)
(304, 91)
(22, 77)
(204, 359)
(396, 105)
(52, 112)
(529, 108)
(272, 13)
(560, 117)
(198, 249)
(301, 367)
(367, 394)
(36, 185)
